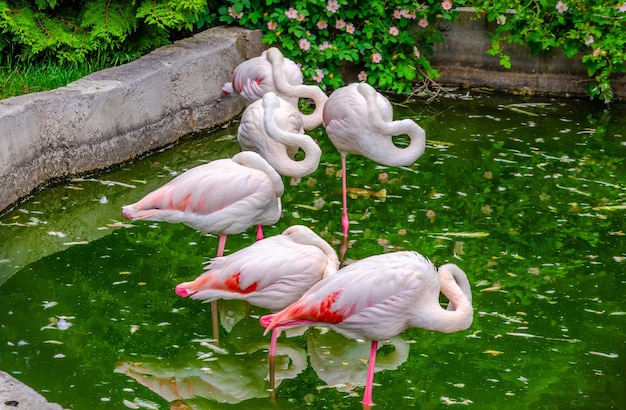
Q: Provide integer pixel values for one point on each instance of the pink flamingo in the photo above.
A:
(271, 71)
(272, 273)
(377, 298)
(253, 78)
(222, 197)
(274, 128)
(359, 120)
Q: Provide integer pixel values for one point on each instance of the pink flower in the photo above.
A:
(304, 44)
(350, 28)
(621, 7)
(446, 5)
(430, 214)
(393, 30)
(233, 14)
(332, 6)
(362, 76)
(292, 13)
(300, 17)
(319, 75)
(596, 52)
(561, 7)
(416, 52)
(423, 23)
(340, 24)
(272, 25)
(397, 14)
(589, 40)
(376, 58)
(325, 45)
(321, 24)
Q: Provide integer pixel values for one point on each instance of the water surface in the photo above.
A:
(527, 196)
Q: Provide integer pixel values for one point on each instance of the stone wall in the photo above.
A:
(117, 114)
(463, 60)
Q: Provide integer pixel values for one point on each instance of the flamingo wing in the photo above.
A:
(218, 197)
(371, 299)
(271, 273)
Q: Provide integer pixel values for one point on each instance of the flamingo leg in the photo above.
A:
(345, 223)
(272, 354)
(367, 396)
(259, 232)
(214, 319)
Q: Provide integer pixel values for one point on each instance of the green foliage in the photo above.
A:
(593, 29)
(387, 41)
(75, 31)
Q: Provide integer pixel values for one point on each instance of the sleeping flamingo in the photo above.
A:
(271, 71)
(253, 78)
(273, 128)
(222, 197)
(359, 120)
(272, 273)
(378, 297)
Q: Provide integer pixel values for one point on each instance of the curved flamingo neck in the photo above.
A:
(312, 151)
(283, 86)
(391, 154)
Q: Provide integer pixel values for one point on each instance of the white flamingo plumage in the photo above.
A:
(223, 197)
(271, 71)
(273, 128)
(377, 298)
(359, 120)
(272, 273)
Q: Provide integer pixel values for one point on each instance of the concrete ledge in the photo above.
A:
(117, 114)
(463, 60)
(16, 395)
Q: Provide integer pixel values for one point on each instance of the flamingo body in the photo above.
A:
(359, 120)
(225, 196)
(274, 128)
(254, 77)
(377, 298)
(271, 273)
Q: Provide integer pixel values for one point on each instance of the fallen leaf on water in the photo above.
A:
(609, 355)
(526, 335)
(494, 288)
(493, 352)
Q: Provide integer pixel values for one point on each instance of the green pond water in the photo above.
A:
(527, 196)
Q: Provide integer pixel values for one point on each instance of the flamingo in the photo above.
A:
(359, 120)
(225, 196)
(253, 78)
(272, 273)
(273, 128)
(378, 297)
(271, 71)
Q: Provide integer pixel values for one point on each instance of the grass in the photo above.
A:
(19, 79)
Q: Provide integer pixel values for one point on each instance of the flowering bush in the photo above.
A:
(594, 28)
(379, 38)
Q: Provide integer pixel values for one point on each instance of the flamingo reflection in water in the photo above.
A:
(190, 382)
(342, 363)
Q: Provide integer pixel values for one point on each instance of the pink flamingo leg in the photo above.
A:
(216, 331)
(367, 396)
(345, 223)
(272, 354)
(259, 232)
